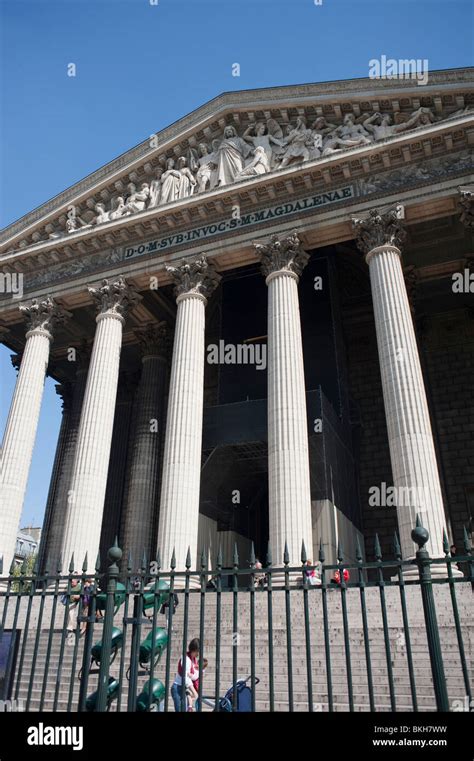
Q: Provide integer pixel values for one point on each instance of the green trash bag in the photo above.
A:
(160, 637)
(153, 693)
(119, 598)
(117, 641)
(112, 693)
(162, 595)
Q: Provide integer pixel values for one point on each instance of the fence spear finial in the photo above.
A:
(322, 556)
(252, 555)
(377, 548)
(396, 546)
(269, 555)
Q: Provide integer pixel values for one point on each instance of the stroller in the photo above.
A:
(243, 700)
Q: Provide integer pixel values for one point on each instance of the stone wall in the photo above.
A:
(448, 348)
(371, 440)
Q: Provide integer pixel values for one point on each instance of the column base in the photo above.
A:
(438, 571)
(295, 579)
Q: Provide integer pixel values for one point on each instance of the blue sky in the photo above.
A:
(140, 66)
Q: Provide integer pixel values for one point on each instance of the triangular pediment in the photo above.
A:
(251, 142)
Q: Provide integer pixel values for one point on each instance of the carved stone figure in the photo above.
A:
(320, 131)
(259, 164)
(187, 181)
(351, 133)
(298, 143)
(73, 222)
(231, 154)
(137, 199)
(206, 163)
(102, 214)
(381, 125)
(117, 208)
(155, 190)
(170, 181)
(264, 135)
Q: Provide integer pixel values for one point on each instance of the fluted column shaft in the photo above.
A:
(64, 390)
(412, 451)
(91, 459)
(19, 438)
(52, 538)
(179, 503)
(380, 236)
(142, 496)
(117, 478)
(288, 458)
(22, 423)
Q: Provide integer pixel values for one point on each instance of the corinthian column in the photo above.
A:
(179, 504)
(22, 423)
(414, 468)
(56, 508)
(91, 458)
(283, 261)
(142, 497)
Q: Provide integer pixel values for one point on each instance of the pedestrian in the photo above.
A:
(191, 677)
(85, 602)
(309, 573)
(72, 601)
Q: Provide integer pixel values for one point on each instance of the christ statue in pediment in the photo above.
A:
(231, 155)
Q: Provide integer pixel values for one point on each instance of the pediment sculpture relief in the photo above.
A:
(263, 147)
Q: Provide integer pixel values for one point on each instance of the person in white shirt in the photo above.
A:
(191, 677)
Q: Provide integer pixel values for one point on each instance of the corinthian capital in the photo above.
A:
(380, 228)
(198, 277)
(64, 390)
(115, 297)
(44, 314)
(282, 255)
(16, 360)
(154, 339)
(466, 203)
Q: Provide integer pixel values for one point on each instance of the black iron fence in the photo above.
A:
(385, 635)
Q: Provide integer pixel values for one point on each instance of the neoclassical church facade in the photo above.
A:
(260, 324)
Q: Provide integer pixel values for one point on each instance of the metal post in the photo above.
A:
(114, 555)
(420, 536)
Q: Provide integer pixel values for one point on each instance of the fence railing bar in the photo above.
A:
(406, 628)
(457, 624)
(365, 628)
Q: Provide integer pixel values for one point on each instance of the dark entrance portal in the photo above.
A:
(234, 482)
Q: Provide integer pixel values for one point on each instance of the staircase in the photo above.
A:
(62, 677)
